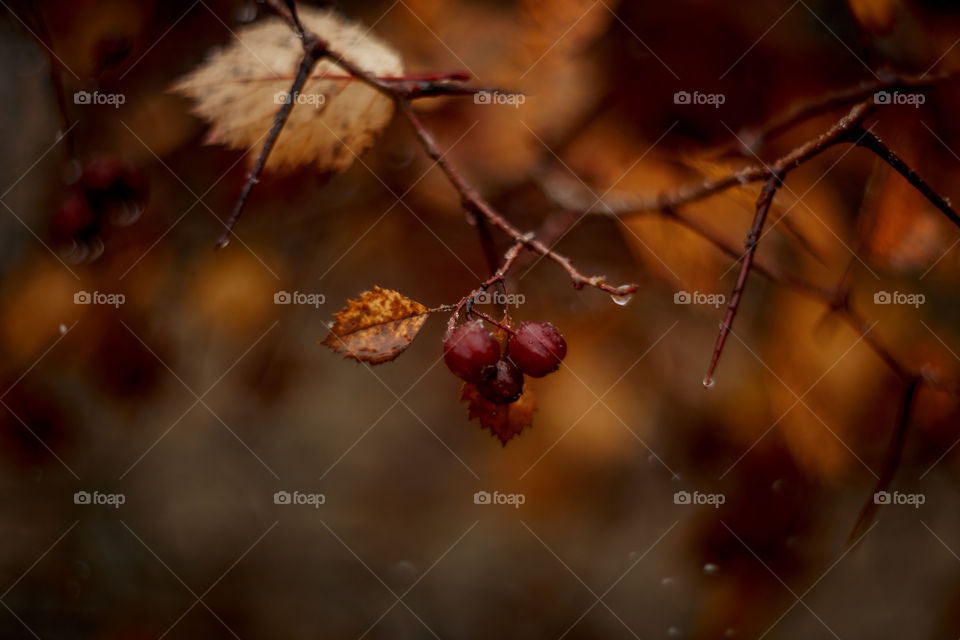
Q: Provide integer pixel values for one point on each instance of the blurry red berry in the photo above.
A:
(100, 174)
(537, 348)
(73, 217)
(471, 352)
(505, 386)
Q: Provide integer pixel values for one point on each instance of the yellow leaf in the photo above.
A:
(376, 327)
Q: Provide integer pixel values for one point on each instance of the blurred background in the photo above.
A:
(183, 398)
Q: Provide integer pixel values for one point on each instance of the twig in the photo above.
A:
(314, 50)
(873, 143)
(890, 463)
(509, 259)
(754, 138)
(475, 202)
(753, 237)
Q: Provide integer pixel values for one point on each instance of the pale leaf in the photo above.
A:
(240, 89)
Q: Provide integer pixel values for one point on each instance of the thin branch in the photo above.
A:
(509, 259)
(474, 202)
(314, 50)
(890, 463)
(754, 138)
(753, 237)
(873, 143)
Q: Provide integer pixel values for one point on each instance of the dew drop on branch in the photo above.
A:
(708, 382)
(620, 299)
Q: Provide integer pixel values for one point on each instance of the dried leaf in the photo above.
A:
(240, 89)
(376, 327)
(503, 421)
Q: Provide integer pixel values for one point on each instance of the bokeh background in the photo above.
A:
(199, 398)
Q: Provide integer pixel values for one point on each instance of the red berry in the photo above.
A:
(537, 348)
(505, 386)
(73, 216)
(471, 352)
(101, 173)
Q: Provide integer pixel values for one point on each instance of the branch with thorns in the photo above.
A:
(847, 130)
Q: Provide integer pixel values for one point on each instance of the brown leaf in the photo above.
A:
(240, 89)
(376, 327)
(503, 421)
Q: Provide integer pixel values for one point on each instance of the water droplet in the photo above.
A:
(710, 569)
(247, 12)
(404, 571)
(81, 569)
(948, 202)
(708, 382)
(621, 300)
(63, 328)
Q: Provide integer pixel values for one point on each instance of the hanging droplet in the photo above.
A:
(246, 13)
(63, 328)
(621, 299)
(708, 382)
(710, 569)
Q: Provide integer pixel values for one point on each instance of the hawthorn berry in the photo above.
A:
(537, 348)
(471, 352)
(505, 386)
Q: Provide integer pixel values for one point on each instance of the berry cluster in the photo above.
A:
(106, 191)
(473, 354)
